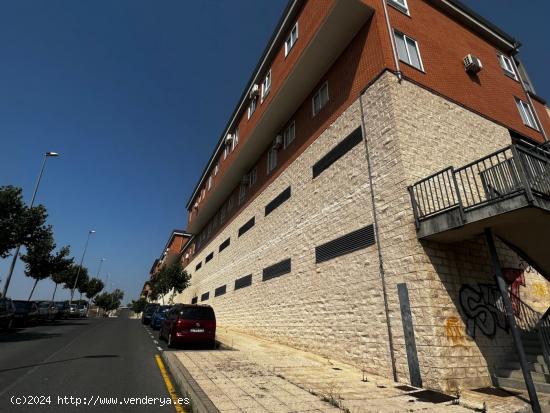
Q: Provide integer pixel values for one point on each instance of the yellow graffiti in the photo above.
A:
(454, 331)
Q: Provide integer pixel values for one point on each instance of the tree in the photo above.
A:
(41, 261)
(109, 301)
(63, 277)
(82, 284)
(71, 275)
(138, 305)
(19, 224)
(170, 278)
(93, 287)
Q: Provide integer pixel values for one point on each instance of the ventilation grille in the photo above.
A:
(337, 152)
(198, 266)
(220, 290)
(249, 224)
(279, 199)
(353, 241)
(205, 296)
(225, 244)
(276, 270)
(209, 257)
(243, 281)
(194, 300)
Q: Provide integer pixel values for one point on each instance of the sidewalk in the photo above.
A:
(249, 374)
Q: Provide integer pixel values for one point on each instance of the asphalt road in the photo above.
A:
(95, 360)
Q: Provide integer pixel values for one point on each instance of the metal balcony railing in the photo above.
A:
(505, 173)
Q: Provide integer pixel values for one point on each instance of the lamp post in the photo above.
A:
(99, 268)
(90, 232)
(14, 260)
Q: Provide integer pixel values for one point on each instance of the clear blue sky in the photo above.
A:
(134, 94)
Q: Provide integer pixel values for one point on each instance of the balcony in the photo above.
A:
(507, 191)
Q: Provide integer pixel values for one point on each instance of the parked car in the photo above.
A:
(26, 312)
(63, 310)
(47, 311)
(7, 310)
(148, 313)
(189, 324)
(83, 311)
(159, 315)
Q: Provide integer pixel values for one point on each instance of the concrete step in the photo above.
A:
(519, 384)
(514, 365)
(518, 374)
(531, 358)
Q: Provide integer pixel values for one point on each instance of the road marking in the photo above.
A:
(159, 348)
(155, 341)
(169, 385)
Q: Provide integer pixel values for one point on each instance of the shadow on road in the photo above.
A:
(95, 356)
(24, 335)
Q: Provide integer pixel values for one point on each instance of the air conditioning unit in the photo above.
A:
(472, 64)
(254, 91)
(229, 139)
(245, 180)
(278, 142)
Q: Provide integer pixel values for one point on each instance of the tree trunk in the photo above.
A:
(33, 287)
(54, 290)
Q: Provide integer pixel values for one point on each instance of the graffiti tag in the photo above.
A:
(483, 309)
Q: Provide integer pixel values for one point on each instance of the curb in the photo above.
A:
(188, 386)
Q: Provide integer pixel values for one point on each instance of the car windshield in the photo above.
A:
(60, 305)
(197, 313)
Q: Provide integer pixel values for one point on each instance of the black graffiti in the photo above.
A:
(483, 309)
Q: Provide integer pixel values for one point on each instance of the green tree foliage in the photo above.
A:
(93, 287)
(138, 305)
(40, 260)
(171, 278)
(71, 274)
(19, 224)
(109, 301)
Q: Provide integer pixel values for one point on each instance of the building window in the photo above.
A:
(320, 99)
(507, 66)
(408, 51)
(235, 140)
(271, 160)
(217, 167)
(252, 106)
(209, 182)
(266, 85)
(225, 151)
(400, 5)
(252, 176)
(202, 193)
(526, 114)
(242, 192)
(291, 39)
(288, 134)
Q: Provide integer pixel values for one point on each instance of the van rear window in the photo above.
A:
(198, 313)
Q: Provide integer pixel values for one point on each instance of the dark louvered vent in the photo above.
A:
(194, 300)
(243, 281)
(277, 201)
(337, 152)
(353, 241)
(225, 244)
(198, 266)
(205, 296)
(249, 224)
(276, 270)
(209, 257)
(220, 290)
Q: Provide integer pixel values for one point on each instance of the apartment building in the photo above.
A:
(379, 150)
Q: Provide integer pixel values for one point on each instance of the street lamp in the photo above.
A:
(99, 268)
(90, 232)
(14, 260)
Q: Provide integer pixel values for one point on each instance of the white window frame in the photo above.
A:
(409, 61)
(319, 94)
(289, 134)
(252, 106)
(527, 114)
(209, 182)
(266, 85)
(290, 40)
(399, 6)
(225, 151)
(271, 160)
(235, 140)
(507, 65)
(217, 167)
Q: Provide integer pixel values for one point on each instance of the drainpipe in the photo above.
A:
(392, 41)
(522, 83)
(503, 287)
(378, 245)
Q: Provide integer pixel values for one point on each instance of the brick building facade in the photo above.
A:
(305, 230)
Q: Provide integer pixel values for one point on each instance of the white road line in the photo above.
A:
(155, 341)
(159, 348)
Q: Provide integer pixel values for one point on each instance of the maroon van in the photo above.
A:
(189, 324)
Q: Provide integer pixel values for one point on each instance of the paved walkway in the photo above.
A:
(256, 375)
